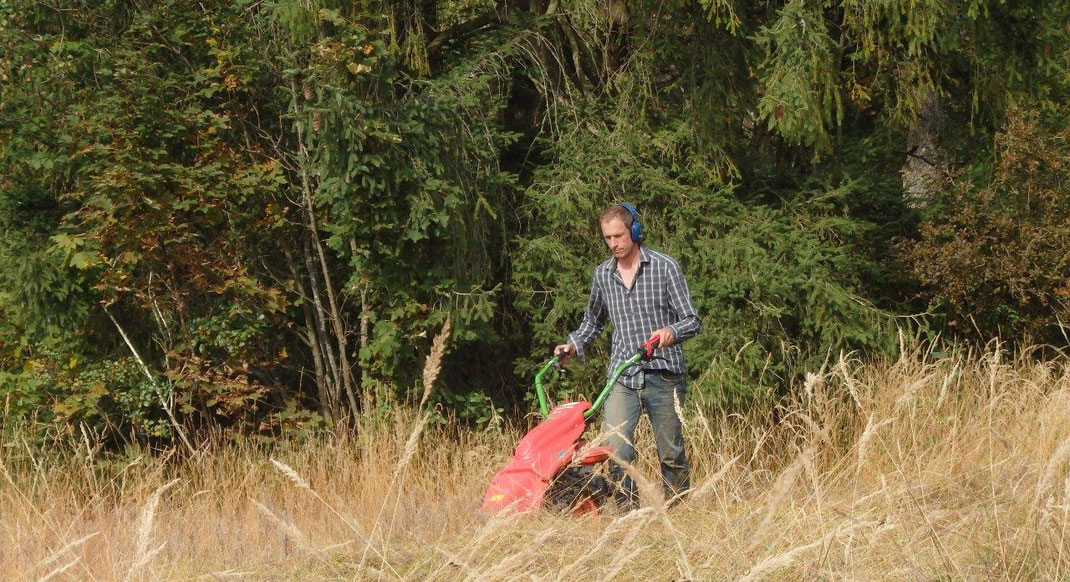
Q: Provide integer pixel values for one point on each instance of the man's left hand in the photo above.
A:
(665, 335)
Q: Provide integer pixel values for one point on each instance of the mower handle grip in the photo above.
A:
(648, 347)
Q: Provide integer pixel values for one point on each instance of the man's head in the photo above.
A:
(616, 223)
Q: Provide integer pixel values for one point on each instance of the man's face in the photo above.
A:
(618, 238)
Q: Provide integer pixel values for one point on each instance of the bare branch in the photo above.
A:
(491, 18)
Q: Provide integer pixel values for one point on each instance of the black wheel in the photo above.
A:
(573, 487)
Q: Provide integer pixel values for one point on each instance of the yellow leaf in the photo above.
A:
(98, 389)
(358, 68)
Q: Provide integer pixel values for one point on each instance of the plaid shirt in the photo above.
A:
(658, 298)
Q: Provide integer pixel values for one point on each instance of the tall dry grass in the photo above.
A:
(918, 469)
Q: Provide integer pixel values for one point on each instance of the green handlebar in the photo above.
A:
(544, 407)
(609, 385)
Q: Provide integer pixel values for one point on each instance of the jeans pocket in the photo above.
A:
(663, 380)
(671, 378)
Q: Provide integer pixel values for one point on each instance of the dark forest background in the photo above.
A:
(255, 215)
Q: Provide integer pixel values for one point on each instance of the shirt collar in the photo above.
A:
(643, 258)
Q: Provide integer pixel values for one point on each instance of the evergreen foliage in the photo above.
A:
(256, 214)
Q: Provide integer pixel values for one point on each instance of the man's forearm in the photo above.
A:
(686, 328)
(593, 320)
(680, 299)
(584, 335)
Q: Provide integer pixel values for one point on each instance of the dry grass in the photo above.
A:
(919, 469)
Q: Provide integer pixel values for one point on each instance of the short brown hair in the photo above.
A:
(618, 212)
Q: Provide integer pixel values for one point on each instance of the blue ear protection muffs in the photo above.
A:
(637, 227)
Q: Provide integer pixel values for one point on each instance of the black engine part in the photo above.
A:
(575, 485)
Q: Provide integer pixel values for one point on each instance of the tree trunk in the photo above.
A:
(323, 388)
(320, 316)
(343, 370)
(925, 171)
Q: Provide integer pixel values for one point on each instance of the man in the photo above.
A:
(644, 294)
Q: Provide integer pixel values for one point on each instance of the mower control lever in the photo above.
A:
(647, 349)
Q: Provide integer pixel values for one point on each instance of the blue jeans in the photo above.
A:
(622, 409)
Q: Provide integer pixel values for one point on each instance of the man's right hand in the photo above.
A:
(564, 351)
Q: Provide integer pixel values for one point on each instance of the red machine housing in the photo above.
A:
(545, 450)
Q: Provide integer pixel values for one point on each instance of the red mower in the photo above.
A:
(552, 468)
